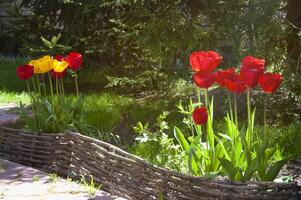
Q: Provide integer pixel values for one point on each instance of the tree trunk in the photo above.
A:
(293, 10)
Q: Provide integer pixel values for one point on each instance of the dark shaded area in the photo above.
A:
(8, 45)
(293, 32)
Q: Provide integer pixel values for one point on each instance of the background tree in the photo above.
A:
(293, 33)
(143, 42)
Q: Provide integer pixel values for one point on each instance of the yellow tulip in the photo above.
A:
(42, 65)
(59, 66)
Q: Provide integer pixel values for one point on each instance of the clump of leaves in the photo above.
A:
(90, 185)
(154, 145)
(54, 115)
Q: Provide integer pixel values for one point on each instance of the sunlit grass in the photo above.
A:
(13, 97)
(104, 110)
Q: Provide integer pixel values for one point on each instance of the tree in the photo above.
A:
(293, 16)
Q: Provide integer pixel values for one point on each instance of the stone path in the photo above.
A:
(8, 114)
(18, 182)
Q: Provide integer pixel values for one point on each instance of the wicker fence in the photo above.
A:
(71, 154)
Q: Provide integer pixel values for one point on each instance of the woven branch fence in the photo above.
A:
(74, 155)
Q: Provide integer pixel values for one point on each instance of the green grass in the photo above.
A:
(103, 110)
(9, 80)
(13, 97)
(107, 109)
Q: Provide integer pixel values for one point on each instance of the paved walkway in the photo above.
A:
(18, 182)
(8, 114)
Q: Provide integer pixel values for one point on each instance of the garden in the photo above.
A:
(159, 99)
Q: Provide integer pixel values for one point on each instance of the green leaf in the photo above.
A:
(192, 166)
(181, 139)
(269, 152)
(46, 42)
(238, 176)
(251, 168)
(274, 170)
(211, 108)
(210, 132)
(227, 137)
(222, 148)
(230, 170)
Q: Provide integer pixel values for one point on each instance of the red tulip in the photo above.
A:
(203, 79)
(204, 61)
(250, 62)
(270, 82)
(59, 57)
(249, 77)
(57, 75)
(24, 72)
(74, 60)
(252, 68)
(200, 115)
(235, 84)
(222, 75)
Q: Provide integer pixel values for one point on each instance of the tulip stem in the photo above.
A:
(235, 110)
(199, 94)
(28, 88)
(264, 117)
(44, 86)
(39, 87)
(52, 99)
(62, 86)
(249, 106)
(198, 128)
(56, 86)
(51, 88)
(34, 85)
(230, 106)
(206, 98)
(76, 84)
(250, 129)
(32, 106)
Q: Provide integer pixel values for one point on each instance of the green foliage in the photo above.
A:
(247, 158)
(289, 140)
(51, 47)
(65, 113)
(201, 149)
(53, 115)
(146, 80)
(133, 33)
(240, 154)
(154, 145)
(132, 37)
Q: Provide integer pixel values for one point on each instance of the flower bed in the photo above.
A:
(73, 155)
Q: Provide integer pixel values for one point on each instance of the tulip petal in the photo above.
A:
(200, 115)
(270, 82)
